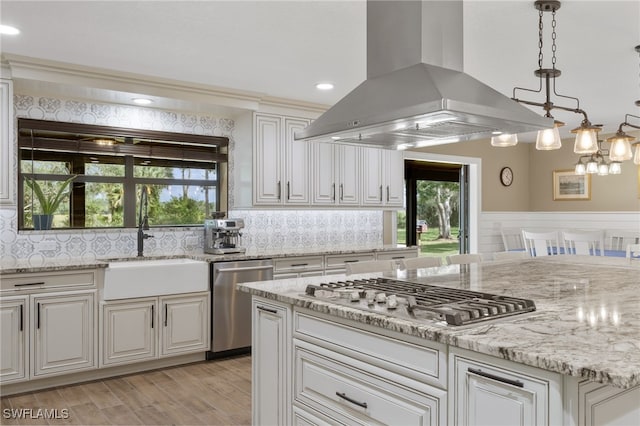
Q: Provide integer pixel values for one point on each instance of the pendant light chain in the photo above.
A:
(553, 38)
(540, 42)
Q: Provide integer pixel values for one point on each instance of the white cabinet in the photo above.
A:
(63, 328)
(142, 329)
(482, 386)
(6, 143)
(382, 177)
(590, 403)
(298, 266)
(336, 174)
(14, 316)
(271, 360)
(281, 165)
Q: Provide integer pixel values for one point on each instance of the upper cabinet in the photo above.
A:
(281, 174)
(6, 143)
(382, 177)
(336, 174)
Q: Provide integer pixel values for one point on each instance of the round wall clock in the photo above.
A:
(506, 176)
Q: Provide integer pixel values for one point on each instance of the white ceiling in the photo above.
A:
(282, 48)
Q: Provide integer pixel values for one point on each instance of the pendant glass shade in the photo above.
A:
(603, 169)
(636, 157)
(581, 169)
(615, 168)
(620, 149)
(504, 139)
(592, 166)
(586, 140)
(549, 139)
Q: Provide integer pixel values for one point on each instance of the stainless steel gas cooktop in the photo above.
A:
(420, 301)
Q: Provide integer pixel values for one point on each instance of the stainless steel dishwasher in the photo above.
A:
(230, 308)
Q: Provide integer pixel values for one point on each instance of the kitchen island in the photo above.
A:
(575, 360)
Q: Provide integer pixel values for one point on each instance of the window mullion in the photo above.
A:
(129, 194)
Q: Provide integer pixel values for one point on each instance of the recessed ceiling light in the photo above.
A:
(142, 101)
(6, 29)
(324, 86)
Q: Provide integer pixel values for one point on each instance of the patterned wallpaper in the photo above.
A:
(265, 229)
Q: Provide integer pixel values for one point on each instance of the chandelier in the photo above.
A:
(586, 134)
(596, 163)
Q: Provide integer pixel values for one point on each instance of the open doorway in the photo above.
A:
(436, 218)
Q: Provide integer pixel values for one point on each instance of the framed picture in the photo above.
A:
(569, 186)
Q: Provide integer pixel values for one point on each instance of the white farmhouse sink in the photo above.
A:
(141, 278)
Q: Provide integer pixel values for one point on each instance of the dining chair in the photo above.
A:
(620, 239)
(585, 243)
(421, 262)
(371, 266)
(504, 255)
(541, 243)
(633, 251)
(463, 259)
(512, 239)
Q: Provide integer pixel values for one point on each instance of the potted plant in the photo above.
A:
(49, 201)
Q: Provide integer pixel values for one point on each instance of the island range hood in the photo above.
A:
(415, 93)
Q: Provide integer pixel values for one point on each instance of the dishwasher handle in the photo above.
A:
(246, 268)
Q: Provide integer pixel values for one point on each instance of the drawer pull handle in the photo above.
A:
(353, 401)
(397, 257)
(351, 261)
(496, 378)
(271, 311)
(29, 284)
(299, 264)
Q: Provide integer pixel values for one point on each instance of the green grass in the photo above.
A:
(430, 245)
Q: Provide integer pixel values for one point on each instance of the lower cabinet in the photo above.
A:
(271, 361)
(13, 339)
(484, 386)
(592, 404)
(136, 330)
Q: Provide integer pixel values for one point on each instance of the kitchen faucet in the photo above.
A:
(143, 219)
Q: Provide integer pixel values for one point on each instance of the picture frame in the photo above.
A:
(568, 186)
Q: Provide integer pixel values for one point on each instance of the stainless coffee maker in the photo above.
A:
(222, 236)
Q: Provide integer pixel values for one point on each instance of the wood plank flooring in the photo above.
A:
(204, 393)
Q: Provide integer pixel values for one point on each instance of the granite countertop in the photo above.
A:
(587, 322)
(41, 264)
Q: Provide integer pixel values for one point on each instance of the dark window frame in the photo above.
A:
(73, 143)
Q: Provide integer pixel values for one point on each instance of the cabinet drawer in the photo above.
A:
(298, 264)
(340, 261)
(397, 254)
(356, 396)
(48, 281)
(428, 364)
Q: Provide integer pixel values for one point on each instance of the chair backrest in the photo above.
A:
(619, 240)
(371, 266)
(503, 255)
(512, 238)
(585, 243)
(463, 259)
(540, 243)
(421, 262)
(633, 251)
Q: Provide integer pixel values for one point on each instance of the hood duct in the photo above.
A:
(415, 93)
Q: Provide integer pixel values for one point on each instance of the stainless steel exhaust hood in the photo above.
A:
(415, 93)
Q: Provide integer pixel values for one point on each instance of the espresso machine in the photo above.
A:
(222, 236)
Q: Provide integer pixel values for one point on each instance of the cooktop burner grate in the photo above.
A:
(423, 301)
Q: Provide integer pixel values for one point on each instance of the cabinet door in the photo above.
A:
(271, 394)
(13, 340)
(268, 160)
(394, 178)
(63, 333)
(323, 182)
(185, 324)
(6, 143)
(372, 190)
(129, 331)
(348, 170)
(297, 167)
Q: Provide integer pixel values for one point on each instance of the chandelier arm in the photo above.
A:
(565, 96)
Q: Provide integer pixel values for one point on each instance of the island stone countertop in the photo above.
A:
(42, 264)
(587, 321)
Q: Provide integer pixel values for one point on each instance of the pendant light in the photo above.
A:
(620, 149)
(548, 139)
(504, 139)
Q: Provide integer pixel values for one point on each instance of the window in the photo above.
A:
(183, 173)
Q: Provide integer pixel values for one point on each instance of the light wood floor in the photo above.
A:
(203, 393)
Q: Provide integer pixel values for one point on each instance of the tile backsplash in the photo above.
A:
(267, 230)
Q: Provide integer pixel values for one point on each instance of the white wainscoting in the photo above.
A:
(490, 239)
